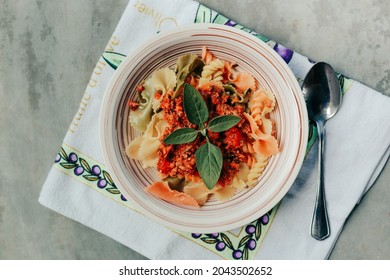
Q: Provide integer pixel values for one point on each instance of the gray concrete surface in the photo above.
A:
(48, 50)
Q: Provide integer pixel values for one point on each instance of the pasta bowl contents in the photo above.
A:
(203, 128)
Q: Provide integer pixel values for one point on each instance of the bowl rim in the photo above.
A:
(195, 27)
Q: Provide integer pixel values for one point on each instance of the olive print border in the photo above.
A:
(229, 245)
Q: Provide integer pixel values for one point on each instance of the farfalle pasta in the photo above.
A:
(245, 147)
(145, 148)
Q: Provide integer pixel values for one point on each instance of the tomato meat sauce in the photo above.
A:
(179, 160)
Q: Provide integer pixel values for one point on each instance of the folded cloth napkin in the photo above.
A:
(79, 187)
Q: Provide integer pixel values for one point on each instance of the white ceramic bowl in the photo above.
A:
(270, 71)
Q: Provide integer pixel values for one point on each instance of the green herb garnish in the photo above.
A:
(181, 136)
(208, 156)
(209, 163)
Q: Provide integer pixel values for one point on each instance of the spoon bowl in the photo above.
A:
(322, 93)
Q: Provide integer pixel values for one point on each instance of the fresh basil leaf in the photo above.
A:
(181, 136)
(209, 163)
(194, 106)
(223, 123)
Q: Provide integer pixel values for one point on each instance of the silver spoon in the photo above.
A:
(322, 93)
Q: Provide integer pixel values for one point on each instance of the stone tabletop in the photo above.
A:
(48, 50)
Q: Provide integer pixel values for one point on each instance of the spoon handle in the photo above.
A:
(320, 229)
